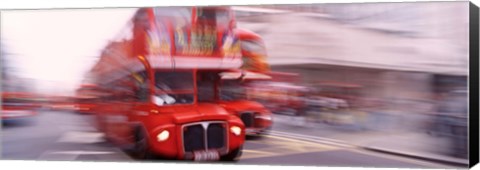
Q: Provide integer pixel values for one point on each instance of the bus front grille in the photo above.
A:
(204, 136)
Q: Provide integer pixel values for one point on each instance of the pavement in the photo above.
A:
(65, 136)
(381, 136)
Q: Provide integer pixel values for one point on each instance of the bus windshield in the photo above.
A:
(233, 90)
(174, 87)
(228, 90)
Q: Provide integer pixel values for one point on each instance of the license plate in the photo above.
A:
(206, 155)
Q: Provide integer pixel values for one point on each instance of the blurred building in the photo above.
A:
(426, 37)
(402, 53)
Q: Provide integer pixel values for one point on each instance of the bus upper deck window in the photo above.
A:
(180, 16)
(216, 16)
(223, 17)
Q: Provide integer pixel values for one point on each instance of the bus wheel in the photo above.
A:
(141, 149)
(233, 155)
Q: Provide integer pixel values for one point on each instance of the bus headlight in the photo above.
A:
(162, 136)
(236, 130)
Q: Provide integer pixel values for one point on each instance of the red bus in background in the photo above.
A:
(232, 86)
(230, 89)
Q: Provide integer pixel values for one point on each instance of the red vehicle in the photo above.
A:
(232, 86)
(86, 98)
(230, 89)
(17, 105)
(151, 104)
(61, 103)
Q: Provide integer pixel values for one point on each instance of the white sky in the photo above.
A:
(59, 46)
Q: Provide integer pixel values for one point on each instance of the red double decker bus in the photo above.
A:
(150, 102)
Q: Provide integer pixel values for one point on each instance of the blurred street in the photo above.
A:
(66, 136)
